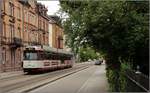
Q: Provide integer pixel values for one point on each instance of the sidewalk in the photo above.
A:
(10, 74)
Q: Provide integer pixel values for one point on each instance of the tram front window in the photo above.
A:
(30, 56)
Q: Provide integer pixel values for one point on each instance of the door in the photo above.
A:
(13, 63)
(3, 59)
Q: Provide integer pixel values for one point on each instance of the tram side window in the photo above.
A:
(62, 59)
(46, 56)
(40, 56)
(49, 56)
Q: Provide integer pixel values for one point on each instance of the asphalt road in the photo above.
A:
(24, 83)
(91, 80)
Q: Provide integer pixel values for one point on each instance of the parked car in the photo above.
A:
(98, 62)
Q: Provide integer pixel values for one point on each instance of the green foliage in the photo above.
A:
(119, 29)
(125, 66)
(87, 53)
(117, 79)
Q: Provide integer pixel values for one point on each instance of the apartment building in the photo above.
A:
(23, 25)
(43, 22)
(26, 23)
(11, 36)
(55, 32)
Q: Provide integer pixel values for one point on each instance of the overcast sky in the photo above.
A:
(52, 5)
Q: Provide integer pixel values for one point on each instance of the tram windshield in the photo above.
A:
(30, 56)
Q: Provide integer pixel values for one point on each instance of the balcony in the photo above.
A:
(35, 43)
(24, 2)
(41, 29)
(12, 20)
(60, 37)
(3, 40)
(16, 42)
(3, 14)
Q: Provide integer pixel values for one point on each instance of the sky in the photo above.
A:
(52, 5)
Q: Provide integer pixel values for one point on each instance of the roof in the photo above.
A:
(49, 49)
(55, 20)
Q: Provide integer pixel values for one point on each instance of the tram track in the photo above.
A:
(23, 75)
(29, 82)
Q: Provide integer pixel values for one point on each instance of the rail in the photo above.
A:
(140, 81)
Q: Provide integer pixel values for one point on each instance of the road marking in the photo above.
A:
(53, 80)
(85, 83)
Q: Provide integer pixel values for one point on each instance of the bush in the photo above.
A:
(117, 79)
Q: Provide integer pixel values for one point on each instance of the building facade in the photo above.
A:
(55, 33)
(23, 26)
(26, 23)
(11, 36)
(43, 22)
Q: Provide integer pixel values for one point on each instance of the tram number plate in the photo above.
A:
(46, 63)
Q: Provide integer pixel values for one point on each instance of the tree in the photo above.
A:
(119, 29)
(87, 53)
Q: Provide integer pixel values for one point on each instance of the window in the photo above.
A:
(12, 33)
(46, 26)
(33, 18)
(4, 29)
(43, 25)
(29, 18)
(40, 23)
(19, 13)
(25, 28)
(11, 7)
(19, 30)
(3, 6)
(30, 56)
(4, 56)
(26, 15)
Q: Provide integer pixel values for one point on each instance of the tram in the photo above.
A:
(46, 59)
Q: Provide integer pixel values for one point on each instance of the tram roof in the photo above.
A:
(49, 49)
(55, 50)
(38, 48)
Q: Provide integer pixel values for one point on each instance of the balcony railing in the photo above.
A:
(24, 2)
(3, 40)
(12, 19)
(35, 43)
(3, 13)
(16, 42)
